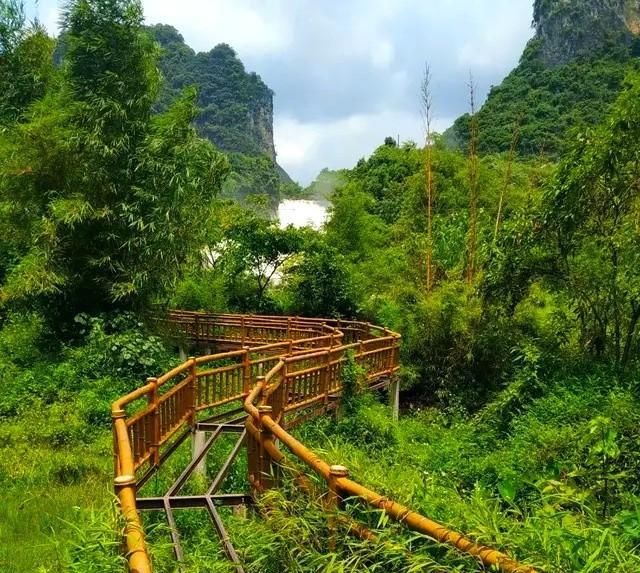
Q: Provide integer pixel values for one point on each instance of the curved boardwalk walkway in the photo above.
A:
(268, 374)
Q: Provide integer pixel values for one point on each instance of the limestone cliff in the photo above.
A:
(237, 106)
(569, 74)
(568, 29)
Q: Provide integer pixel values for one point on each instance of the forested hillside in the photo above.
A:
(235, 110)
(514, 282)
(566, 78)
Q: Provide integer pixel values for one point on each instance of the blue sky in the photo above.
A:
(346, 73)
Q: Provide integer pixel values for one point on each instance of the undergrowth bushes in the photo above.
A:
(549, 475)
(55, 443)
(109, 356)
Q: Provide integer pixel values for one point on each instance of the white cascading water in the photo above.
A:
(302, 213)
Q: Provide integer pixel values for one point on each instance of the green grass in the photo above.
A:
(45, 495)
(524, 475)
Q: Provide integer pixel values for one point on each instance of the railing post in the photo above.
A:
(254, 448)
(394, 398)
(243, 333)
(198, 439)
(325, 378)
(197, 444)
(246, 372)
(334, 501)
(116, 415)
(276, 400)
(283, 398)
(191, 395)
(155, 422)
(388, 352)
(266, 467)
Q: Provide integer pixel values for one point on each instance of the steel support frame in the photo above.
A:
(211, 500)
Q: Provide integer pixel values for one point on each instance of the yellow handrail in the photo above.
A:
(260, 341)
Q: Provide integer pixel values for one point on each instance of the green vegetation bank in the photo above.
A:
(520, 354)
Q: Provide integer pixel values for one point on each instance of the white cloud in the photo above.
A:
(249, 26)
(305, 148)
(493, 40)
(346, 73)
(382, 54)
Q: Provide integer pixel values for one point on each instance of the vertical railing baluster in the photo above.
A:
(155, 421)
(246, 372)
(191, 394)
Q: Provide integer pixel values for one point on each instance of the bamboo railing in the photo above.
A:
(284, 371)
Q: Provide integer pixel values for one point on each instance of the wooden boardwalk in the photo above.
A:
(255, 377)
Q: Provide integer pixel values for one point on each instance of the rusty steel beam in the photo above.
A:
(163, 458)
(173, 530)
(224, 415)
(193, 501)
(210, 426)
(186, 473)
(217, 481)
(224, 537)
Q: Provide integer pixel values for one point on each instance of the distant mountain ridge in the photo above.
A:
(237, 106)
(568, 75)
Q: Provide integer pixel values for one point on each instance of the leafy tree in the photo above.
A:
(105, 199)
(252, 254)
(26, 65)
(325, 184)
(592, 212)
(320, 283)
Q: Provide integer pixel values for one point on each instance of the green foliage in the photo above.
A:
(113, 355)
(319, 283)
(23, 338)
(107, 202)
(253, 252)
(602, 455)
(95, 548)
(529, 490)
(204, 289)
(592, 209)
(234, 105)
(110, 66)
(325, 184)
(366, 420)
(456, 331)
(235, 112)
(119, 198)
(253, 175)
(547, 102)
(26, 62)
(55, 443)
(352, 384)
(120, 346)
